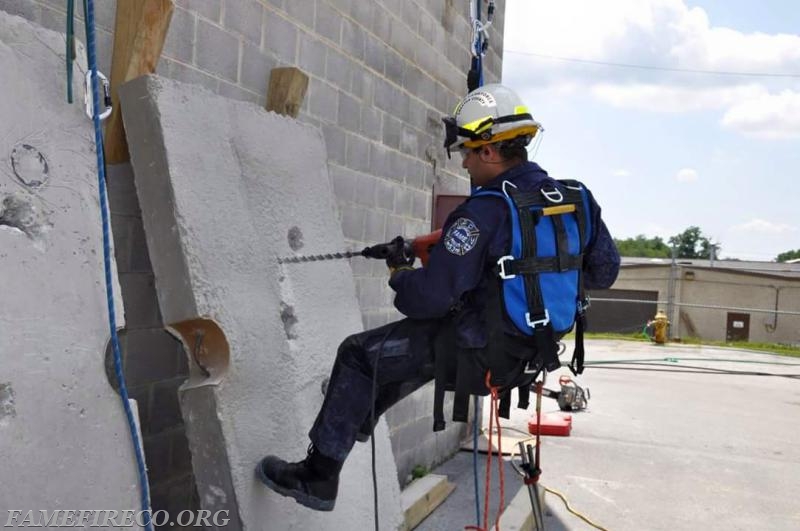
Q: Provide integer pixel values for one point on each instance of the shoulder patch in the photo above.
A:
(461, 237)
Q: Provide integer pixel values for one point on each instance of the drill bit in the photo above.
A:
(319, 257)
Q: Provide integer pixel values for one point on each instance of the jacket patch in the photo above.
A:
(461, 237)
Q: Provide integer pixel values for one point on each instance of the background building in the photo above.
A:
(723, 300)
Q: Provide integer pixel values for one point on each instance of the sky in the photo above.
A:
(663, 149)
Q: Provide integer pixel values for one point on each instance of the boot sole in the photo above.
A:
(299, 496)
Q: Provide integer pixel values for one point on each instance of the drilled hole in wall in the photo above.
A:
(206, 348)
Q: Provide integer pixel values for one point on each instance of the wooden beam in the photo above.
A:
(287, 89)
(139, 33)
(422, 496)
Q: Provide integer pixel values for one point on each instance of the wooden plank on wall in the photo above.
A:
(287, 89)
(139, 34)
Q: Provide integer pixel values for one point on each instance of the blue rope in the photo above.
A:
(123, 390)
(475, 398)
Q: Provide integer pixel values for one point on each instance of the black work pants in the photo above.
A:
(398, 356)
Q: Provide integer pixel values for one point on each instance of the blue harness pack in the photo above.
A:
(542, 289)
(538, 286)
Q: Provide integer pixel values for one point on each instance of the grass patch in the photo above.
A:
(772, 348)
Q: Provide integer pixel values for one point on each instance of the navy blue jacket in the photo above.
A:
(459, 265)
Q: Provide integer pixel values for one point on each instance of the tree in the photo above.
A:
(643, 246)
(788, 255)
(692, 244)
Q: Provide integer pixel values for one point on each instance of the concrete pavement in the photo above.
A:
(663, 446)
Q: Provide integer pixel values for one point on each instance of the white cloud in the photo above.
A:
(669, 98)
(766, 116)
(659, 33)
(764, 226)
(621, 173)
(686, 175)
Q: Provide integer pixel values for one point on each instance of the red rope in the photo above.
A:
(494, 420)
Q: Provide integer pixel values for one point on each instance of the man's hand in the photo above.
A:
(400, 255)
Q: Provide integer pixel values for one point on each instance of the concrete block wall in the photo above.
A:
(382, 74)
(155, 363)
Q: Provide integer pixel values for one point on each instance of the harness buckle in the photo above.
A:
(538, 322)
(553, 196)
(502, 263)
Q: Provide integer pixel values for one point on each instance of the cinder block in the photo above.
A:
(357, 153)
(374, 53)
(280, 37)
(328, 22)
(312, 55)
(384, 195)
(181, 36)
(370, 124)
(352, 40)
(365, 193)
(157, 454)
(394, 226)
(121, 231)
(335, 146)
(244, 17)
(339, 69)
(397, 165)
(349, 112)
(217, 51)
(256, 67)
(353, 222)
(302, 12)
(166, 408)
(381, 21)
(141, 307)
(150, 356)
(375, 228)
(404, 39)
(379, 159)
(363, 13)
(323, 101)
(345, 182)
(409, 140)
(208, 9)
(187, 74)
(394, 67)
(392, 128)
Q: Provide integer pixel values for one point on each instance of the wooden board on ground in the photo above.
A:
(422, 496)
(509, 441)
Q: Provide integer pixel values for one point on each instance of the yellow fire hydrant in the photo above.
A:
(660, 324)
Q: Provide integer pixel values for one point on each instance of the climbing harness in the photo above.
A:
(93, 78)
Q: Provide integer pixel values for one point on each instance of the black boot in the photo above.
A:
(312, 482)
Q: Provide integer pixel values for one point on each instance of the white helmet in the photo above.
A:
(488, 114)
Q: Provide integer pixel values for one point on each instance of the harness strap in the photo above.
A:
(442, 349)
(532, 266)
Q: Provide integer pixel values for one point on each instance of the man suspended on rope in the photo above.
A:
(503, 284)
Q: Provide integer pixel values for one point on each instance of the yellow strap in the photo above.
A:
(560, 209)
